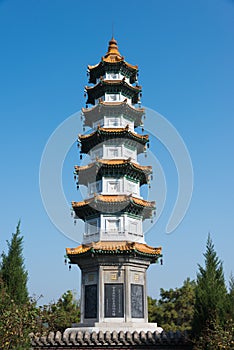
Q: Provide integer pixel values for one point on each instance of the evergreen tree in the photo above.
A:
(231, 298)
(210, 293)
(153, 310)
(13, 271)
(216, 337)
(174, 310)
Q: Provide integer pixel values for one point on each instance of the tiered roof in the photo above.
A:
(113, 167)
(113, 204)
(112, 109)
(112, 86)
(117, 204)
(113, 247)
(103, 134)
(113, 61)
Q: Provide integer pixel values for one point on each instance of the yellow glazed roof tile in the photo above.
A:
(114, 199)
(113, 162)
(114, 130)
(115, 246)
(113, 82)
(115, 104)
(113, 56)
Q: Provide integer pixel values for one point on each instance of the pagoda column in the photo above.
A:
(113, 256)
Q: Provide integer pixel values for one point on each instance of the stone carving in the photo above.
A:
(137, 301)
(114, 305)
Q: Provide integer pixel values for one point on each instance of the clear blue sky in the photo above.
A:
(185, 54)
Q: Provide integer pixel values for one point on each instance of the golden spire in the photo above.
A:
(112, 54)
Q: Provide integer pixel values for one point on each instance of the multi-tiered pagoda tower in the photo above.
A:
(113, 257)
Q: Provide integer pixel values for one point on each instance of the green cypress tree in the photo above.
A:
(231, 298)
(13, 271)
(210, 293)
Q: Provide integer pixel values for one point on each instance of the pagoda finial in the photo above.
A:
(112, 29)
(113, 54)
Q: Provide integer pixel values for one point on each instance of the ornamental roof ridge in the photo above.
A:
(114, 246)
(110, 198)
(113, 82)
(113, 162)
(112, 104)
(113, 53)
(113, 56)
(114, 130)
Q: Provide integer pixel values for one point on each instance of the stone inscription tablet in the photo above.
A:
(114, 304)
(91, 301)
(137, 301)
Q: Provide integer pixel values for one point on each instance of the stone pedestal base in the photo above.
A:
(118, 327)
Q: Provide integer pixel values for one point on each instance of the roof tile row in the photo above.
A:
(85, 338)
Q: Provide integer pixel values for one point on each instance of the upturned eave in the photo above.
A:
(93, 171)
(100, 135)
(96, 112)
(113, 204)
(114, 247)
(112, 86)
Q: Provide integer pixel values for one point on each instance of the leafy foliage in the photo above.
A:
(174, 310)
(13, 271)
(211, 292)
(18, 314)
(216, 337)
(153, 310)
(16, 321)
(59, 316)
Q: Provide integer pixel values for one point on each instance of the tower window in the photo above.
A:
(92, 226)
(96, 153)
(133, 227)
(131, 187)
(113, 187)
(113, 121)
(112, 97)
(95, 187)
(99, 122)
(112, 225)
(112, 76)
(113, 152)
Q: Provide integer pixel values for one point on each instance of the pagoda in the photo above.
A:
(113, 256)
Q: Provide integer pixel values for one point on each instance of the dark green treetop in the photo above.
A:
(12, 269)
(174, 310)
(211, 293)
